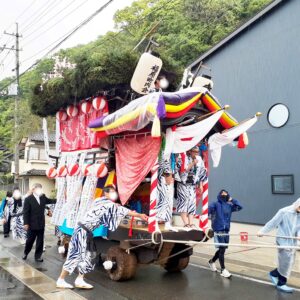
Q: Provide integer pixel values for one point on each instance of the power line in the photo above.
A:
(65, 37)
(63, 40)
(40, 15)
(21, 14)
(60, 20)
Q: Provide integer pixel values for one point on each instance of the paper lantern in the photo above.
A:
(87, 170)
(86, 107)
(61, 115)
(62, 171)
(74, 170)
(72, 111)
(100, 170)
(99, 103)
(51, 172)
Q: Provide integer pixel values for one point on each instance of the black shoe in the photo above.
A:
(39, 259)
(24, 257)
(6, 235)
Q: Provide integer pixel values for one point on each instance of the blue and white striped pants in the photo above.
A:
(78, 256)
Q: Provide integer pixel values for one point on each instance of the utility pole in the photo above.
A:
(17, 69)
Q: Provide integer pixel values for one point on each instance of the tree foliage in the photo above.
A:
(186, 29)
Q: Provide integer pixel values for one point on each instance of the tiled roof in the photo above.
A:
(39, 137)
(34, 172)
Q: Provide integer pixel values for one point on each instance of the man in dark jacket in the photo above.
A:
(220, 212)
(34, 221)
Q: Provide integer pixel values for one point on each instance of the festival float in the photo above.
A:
(101, 147)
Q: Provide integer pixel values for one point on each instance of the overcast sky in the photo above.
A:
(35, 17)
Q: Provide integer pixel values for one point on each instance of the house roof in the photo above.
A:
(237, 32)
(34, 172)
(39, 137)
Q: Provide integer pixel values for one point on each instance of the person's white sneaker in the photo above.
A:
(226, 274)
(212, 266)
(62, 284)
(81, 284)
(169, 227)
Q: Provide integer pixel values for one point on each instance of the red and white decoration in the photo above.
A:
(62, 171)
(86, 107)
(74, 170)
(204, 216)
(100, 170)
(72, 111)
(73, 128)
(61, 115)
(51, 172)
(87, 170)
(99, 103)
(152, 221)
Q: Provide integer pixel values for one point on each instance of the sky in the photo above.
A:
(37, 24)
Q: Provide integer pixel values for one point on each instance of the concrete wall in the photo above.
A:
(258, 69)
(48, 185)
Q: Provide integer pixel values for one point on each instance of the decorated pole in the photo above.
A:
(204, 216)
(152, 221)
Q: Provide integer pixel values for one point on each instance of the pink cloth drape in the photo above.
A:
(134, 160)
(75, 134)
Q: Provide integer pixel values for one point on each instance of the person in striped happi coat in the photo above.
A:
(192, 174)
(14, 210)
(165, 187)
(104, 211)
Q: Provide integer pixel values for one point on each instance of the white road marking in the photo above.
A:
(240, 276)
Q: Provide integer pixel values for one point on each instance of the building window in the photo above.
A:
(282, 184)
(278, 115)
(36, 154)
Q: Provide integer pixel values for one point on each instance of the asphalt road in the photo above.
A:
(152, 282)
(12, 289)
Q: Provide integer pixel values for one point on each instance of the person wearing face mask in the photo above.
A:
(160, 84)
(14, 212)
(220, 212)
(192, 174)
(287, 223)
(34, 221)
(104, 211)
(6, 223)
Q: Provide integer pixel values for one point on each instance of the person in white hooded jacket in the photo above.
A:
(287, 222)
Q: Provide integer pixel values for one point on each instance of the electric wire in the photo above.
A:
(52, 26)
(41, 14)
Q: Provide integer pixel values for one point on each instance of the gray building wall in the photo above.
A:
(254, 71)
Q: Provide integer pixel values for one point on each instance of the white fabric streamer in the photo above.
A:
(186, 137)
(219, 140)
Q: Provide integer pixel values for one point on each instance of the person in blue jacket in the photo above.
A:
(220, 212)
(6, 225)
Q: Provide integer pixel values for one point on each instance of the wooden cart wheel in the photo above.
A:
(177, 264)
(126, 264)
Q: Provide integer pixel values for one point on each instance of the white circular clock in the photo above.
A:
(278, 115)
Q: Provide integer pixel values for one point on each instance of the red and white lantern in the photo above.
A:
(62, 171)
(87, 170)
(86, 107)
(74, 170)
(100, 170)
(51, 172)
(61, 115)
(99, 103)
(72, 111)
